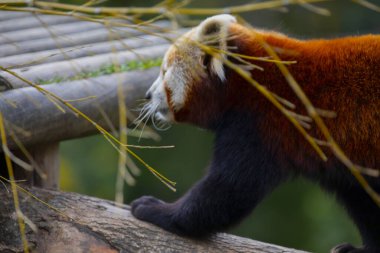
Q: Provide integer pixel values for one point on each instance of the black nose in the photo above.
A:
(148, 95)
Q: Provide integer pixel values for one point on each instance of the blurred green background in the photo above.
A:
(298, 214)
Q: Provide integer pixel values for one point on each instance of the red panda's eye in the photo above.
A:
(206, 60)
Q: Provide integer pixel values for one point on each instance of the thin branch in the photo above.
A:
(20, 220)
(161, 9)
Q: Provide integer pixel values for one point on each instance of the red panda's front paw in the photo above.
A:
(142, 208)
(154, 211)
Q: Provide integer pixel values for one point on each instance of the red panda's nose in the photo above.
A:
(148, 95)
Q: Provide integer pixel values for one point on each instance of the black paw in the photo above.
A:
(167, 216)
(157, 212)
(348, 248)
(142, 208)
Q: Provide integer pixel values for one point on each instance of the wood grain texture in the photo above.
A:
(74, 67)
(95, 225)
(39, 32)
(42, 122)
(26, 22)
(72, 40)
(48, 160)
(92, 49)
(45, 166)
(8, 15)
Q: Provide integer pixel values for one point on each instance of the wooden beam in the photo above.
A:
(44, 165)
(35, 119)
(92, 49)
(95, 225)
(75, 39)
(43, 32)
(8, 15)
(74, 67)
(31, 21)
(47, 159)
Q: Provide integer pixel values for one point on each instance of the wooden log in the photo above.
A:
(67, 69)
(46, 158)
(32, 21)
(41, 32)
(54, 55)
(7, 15)
(75, 39)
(42, 122)
(95, 225)
(44, 170)
(4, 84)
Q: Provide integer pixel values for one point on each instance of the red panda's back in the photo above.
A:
(350, 71)
(341, 75)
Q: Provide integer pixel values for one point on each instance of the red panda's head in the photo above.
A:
(195, 86)
(189, 75)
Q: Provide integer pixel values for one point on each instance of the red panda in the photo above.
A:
(256, 147)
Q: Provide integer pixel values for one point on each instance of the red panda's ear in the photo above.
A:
(215, 26)
(214, 32)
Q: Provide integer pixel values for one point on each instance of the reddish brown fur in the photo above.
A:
(342, 75)
(256, 148)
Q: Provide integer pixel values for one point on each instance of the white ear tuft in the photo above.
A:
(218, 69)
(222, 18)
(214, 32)
(214, 25)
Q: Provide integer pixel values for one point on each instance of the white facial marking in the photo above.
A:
(218, 69)
(176, 83)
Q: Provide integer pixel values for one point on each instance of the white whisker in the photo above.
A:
(146, 113)
(140, 106)
(161, 125)
(143, 114)
(142, 130)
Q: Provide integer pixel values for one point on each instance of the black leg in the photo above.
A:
(240, 175)
(366, 215)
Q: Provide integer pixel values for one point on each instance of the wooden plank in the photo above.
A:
(95, 225)
(75, 39)
(4, 84)
(42, 32)
(47, 159)
(54, 55)
(67, 69)
(44, 170)
(42, 122)
(32, 21)
(8, 15)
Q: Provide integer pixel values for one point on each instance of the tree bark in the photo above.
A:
(95, 225)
